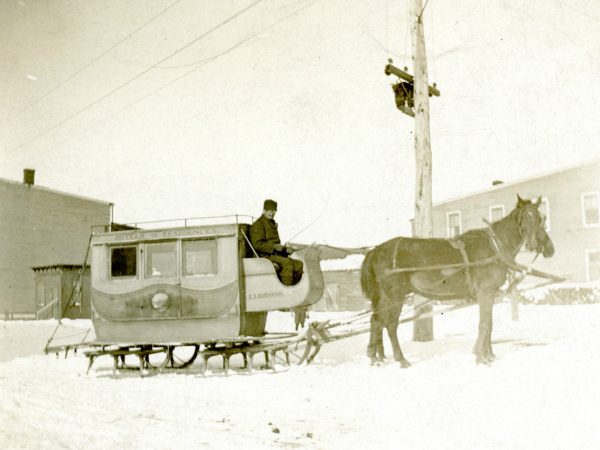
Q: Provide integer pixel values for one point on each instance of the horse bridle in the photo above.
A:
(497, 245)
(520, 215)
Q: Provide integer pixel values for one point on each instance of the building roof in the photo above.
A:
(58, 266)
(503, 185)
(53, 191)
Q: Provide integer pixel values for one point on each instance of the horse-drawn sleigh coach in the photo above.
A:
(162, 297)
(201, 288)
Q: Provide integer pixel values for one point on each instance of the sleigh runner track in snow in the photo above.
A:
(287, 348)
(295, 348)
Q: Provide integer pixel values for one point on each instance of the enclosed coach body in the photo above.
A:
(189, 284)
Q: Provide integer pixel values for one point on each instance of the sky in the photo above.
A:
(180, 108)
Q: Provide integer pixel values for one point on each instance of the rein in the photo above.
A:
(479, 262)
(511, 264)
(500, 255)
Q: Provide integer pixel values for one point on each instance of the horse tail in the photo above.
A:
(368, 279)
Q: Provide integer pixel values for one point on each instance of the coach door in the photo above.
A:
(161, 290)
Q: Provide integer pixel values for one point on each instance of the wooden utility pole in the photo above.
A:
(423, 223)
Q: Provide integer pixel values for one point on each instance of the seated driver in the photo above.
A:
(265, 240)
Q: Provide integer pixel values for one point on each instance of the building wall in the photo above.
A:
(55, 289)
(342, 292)
(40, 227)
(81, 307)
(563, 191)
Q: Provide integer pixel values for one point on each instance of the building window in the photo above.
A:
(496, 213)
(590, 205)
(545, 212)
(199, 257)
(123, 261)
(592, 264)
(453, 223)
(161, 260)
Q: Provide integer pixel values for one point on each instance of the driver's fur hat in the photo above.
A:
(270, 205)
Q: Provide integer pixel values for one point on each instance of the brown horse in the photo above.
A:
(473, 265)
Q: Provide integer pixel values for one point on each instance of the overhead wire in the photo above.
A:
(222, 53)
(409, 24)
(387, 28)
(423, 10)
(140, 74)
(578, 10)
(198, 65)
(97, 58)
(406, 33)
(433, 47)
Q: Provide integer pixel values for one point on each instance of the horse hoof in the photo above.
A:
(485, 360)
(405, 364)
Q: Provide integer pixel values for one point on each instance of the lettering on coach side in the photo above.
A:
(128, 237)
(258, 295)
(162, 234)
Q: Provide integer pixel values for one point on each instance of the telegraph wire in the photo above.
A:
(387, 27)
(423, 10)
(210, 58)
(433, 45)
(203, 63)
(407, 31)
(145, 71)
(578, 10)
(66, 80)
(207, 60)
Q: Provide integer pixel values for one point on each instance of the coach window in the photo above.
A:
(591, 209)
(453, 223)
(199, 257)
(161, 260)
(123, 261)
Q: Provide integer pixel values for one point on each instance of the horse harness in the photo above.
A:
(460, 245)
(457, 243)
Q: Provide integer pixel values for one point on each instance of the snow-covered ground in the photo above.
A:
(542, 393)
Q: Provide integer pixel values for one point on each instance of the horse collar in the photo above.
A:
(494, 240)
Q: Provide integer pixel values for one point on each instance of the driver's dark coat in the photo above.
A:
(264, 236)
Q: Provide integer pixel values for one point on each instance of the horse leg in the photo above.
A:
(483, 346)
(488, 340)
(398, 355)
(392, 330)
(375, 347)
(379, 351)
(372, 346)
